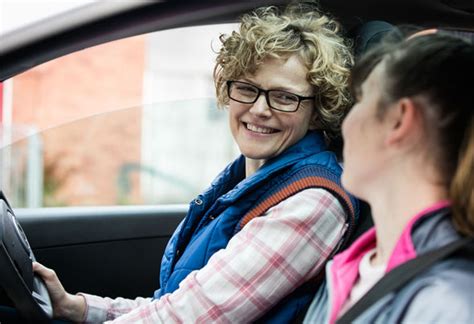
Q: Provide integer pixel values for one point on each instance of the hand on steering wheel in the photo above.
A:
(65, 305)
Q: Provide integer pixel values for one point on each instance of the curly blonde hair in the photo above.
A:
(300, 28)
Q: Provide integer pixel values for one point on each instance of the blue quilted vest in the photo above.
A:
(232, 200)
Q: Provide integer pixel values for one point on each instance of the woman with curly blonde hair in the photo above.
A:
(263, 230)
(301, 32)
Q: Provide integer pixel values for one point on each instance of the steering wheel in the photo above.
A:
(26, 290)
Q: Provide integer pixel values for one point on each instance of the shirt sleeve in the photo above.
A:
(265, 261)
(101, 309)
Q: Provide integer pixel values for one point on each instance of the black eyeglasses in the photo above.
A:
(247, 93)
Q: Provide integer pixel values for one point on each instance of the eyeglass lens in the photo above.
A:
(248, 93)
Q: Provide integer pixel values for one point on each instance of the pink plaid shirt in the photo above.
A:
(264, 262)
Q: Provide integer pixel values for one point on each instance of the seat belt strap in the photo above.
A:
(402, 274)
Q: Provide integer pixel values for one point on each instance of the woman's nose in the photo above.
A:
(261, 107)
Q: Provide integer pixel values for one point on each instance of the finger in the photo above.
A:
(38, 266)
(50, 278)
(43, 271)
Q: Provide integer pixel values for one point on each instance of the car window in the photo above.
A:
(133, 121)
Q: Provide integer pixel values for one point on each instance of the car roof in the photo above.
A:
(104, 21)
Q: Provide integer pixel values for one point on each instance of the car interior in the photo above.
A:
(116, 250)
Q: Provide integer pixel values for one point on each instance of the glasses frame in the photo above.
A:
(267, 95)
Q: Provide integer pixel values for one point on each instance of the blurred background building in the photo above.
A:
(130, 122)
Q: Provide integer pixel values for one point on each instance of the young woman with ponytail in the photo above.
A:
(409, 152)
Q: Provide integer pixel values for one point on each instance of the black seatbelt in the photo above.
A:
(399, 276)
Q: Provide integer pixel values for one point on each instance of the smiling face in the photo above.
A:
(262, 133)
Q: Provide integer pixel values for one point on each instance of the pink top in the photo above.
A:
(345, 266)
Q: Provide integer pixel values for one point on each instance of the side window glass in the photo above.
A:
(130, 122)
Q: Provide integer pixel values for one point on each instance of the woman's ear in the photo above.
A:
(315, 122)
(404, 122)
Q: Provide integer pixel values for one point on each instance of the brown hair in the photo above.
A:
(462, 186)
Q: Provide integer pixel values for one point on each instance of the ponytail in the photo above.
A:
(462, 186)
